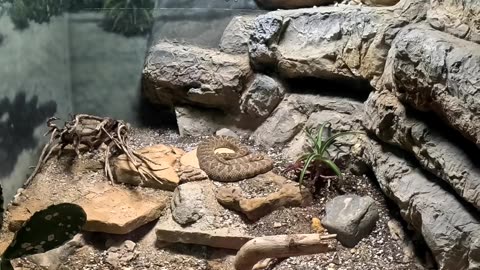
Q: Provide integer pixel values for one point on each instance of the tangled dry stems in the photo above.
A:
(93, 132)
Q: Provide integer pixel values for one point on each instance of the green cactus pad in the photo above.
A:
(6, 265)
(47, 229)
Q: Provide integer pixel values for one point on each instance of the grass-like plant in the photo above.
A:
(317, 157)
(129, 17)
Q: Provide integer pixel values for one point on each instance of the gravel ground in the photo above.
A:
(378, 251)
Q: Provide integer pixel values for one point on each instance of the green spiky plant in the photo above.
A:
(45, 230)
(317, 157)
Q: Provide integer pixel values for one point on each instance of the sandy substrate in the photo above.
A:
(378, 251)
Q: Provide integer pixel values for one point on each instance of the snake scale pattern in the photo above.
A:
(230, 167)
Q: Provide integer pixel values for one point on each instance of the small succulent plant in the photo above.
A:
(317, 159)
(45, 230)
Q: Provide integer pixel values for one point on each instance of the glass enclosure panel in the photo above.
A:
(59, 58)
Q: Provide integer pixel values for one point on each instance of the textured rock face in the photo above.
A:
(185, 74)
(287, 4)
(236, 35)
(330, 42)
(387, 118)
(262, 96)
(450, 228)
(286, 124)
(434, 71)
(459, 18)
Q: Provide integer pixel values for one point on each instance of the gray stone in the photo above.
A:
(121, 254)
(194, 121)
(187, 203)
(226, 132)
(330, 42)
(176, 74)
(262, 96)
(459, 18)
(351, 217)
(434, 71)
(288, 4)
(450, 228)
(237, 34)
(442, 155)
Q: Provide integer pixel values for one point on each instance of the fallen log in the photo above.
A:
(282, 246)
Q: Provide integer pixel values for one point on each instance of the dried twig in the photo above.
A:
(282, 246)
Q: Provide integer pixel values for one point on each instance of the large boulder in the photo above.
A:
(442, 154)
(460, 18)
(175, 74)
(434, 71)
(330, 42)
(450, 228)
(237, 34)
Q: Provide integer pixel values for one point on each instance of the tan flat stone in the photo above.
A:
(110, 209)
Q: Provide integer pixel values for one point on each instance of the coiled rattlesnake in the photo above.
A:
(230, 167)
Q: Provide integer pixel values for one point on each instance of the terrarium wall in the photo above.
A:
(83, 57)
(34, 85)
(107, 63)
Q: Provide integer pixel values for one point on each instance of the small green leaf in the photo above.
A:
(305, 166)
(333, 166)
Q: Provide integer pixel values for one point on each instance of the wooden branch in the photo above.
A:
(281, 246)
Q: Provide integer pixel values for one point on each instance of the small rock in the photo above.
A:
(351, 217)
(121, 256)
(130, 245)
(226, 132)
(277, 224)
(188, 203)
(317, 225)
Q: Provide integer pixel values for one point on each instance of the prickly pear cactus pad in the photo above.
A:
(47, 229)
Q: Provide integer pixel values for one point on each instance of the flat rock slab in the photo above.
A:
(110, 208)
(216, 227)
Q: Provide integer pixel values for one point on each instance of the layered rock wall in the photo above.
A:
(420, 61)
